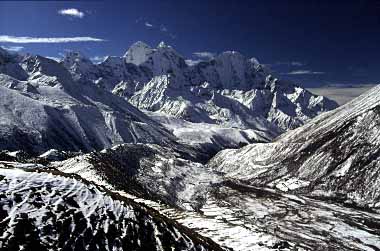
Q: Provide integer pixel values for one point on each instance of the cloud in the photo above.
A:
(155, 26)
(54, 58)
(297, 63)
(304, 72)
(71, 12)
(293, 63)
(172, 36)
(191, 62)
(341, 93)
(148, 24)
(13, 48)
(98, 59)
(163, 28)
(201, 57)
(204, 55)
(27, 40)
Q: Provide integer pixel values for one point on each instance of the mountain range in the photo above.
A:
(229, 91)
(147, 152)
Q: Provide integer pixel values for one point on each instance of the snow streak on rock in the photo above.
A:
(47, 211)
(334, 155)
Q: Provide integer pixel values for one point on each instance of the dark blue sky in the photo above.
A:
(317, 42)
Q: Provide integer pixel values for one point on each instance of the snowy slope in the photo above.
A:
(335, 155)
(146, 170)
(199, 104)
(51, 211)
(209, 137)
(230, 89)
(235, 215)
(161, 60)
(51, 110)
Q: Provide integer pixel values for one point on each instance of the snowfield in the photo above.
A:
(209, 137)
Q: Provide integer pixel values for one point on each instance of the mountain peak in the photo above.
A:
(162, 44)
(138, 53)
(72, 57)
(140, 44)
(4, 56)
(254, 61)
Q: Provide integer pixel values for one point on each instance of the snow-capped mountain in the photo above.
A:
(230, 89)
(161, 60)
(44, 100)
(48, 210)
(334, 155)
(199, 104)
(44, 108)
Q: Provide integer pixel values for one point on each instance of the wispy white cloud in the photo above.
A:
(304, 72)
(13, 48)
(147, 24)
(297, 64)
(98, 59)
(155, 26)
(71, 12)
(54, 58)
(27, 40)
(293, 63)
(172, 36)
(341, 93)
(191, 62)
(204, 54)
(163, 28)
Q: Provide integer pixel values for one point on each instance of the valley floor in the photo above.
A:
(248, 218)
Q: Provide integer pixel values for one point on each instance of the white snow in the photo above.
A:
(292, 183)
(345, 167)
(51, 201)
(337, 150)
